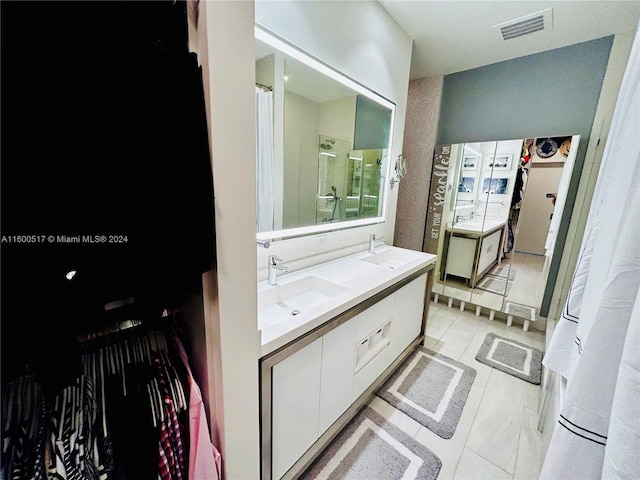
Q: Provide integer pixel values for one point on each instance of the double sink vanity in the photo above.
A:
(331, 334)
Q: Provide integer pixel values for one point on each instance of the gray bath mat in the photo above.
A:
(512, 357)
(372, 448)
(494, 284)
(430, 388)
(521, 311)
(503, 271)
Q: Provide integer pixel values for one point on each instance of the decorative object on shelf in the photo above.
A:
(511, 357)
(546, 148)
(565, 147)
(420, 386)
(355, 453)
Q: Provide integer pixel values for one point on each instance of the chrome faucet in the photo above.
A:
(373, 238)
(273, 269)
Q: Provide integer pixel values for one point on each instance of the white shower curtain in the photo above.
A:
(265, 160)
(598, 431)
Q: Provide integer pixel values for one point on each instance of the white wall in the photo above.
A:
(362, 41)
(300, 160)
(338, 119)
(377, 56)
(230, 298)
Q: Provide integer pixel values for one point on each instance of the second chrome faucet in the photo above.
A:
(274, 267)
(373, 238)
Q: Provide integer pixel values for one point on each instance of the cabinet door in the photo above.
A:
(338, 362)
(489, 251)
(407, 313)
(462, 253)
(296, 406)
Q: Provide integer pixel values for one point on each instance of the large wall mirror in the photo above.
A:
(323, 145)
(495, 216)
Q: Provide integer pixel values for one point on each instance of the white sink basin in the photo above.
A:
(478, 225)
(279, 303)
(389, 258)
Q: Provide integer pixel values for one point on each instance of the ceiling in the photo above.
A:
(452, 36)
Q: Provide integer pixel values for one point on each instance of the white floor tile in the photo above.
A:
(531, 396)
(450, 313)
(496, 429)
(442, 349)
(449, 450)
(459, 334)
(437, 325)
(395, 416)
(430, 342)
(474, 467)
(469, 358)
(529, 460)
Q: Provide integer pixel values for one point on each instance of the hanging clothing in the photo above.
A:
(519, 187)
(125, 418)
(204, 458)
(588, 347)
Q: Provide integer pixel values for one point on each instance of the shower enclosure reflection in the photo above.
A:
(322, 145)
(496, 210)
(349, 181)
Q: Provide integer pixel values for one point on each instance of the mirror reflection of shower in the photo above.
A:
(349, 181)
(332, 165)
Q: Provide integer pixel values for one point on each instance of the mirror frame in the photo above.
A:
(273, 40)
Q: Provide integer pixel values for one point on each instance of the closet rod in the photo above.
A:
(108, 330)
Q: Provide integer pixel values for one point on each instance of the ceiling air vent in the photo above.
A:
(532, 23)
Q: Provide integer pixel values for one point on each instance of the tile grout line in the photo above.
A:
(466, 440)
(515, 465)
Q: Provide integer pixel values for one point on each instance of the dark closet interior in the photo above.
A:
(107, 227)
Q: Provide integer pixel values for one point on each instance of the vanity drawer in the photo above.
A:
(374, 317)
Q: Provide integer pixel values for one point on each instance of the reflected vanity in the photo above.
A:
(493, 220)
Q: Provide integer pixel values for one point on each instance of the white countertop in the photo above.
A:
(476, 226)
(361, 280)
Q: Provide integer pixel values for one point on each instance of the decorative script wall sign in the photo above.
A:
(437, 196)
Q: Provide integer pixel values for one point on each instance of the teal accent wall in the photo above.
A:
(546, 94)
(373, 124)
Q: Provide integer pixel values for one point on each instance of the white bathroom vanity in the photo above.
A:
(331, 335)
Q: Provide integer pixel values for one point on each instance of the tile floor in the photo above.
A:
(530, 280)
(496, 437)
(527, 288)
